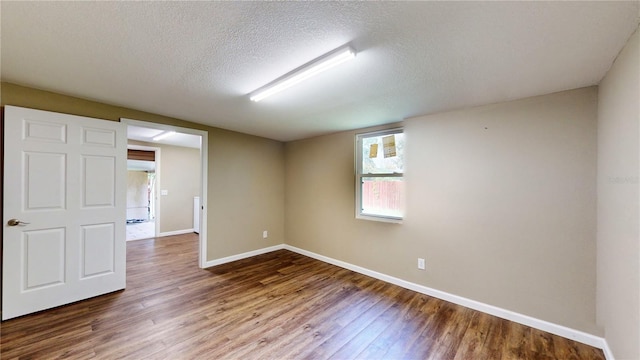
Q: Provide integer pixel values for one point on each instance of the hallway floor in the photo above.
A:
(143, 230)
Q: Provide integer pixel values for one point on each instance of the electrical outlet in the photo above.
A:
(265, 234)
(421, 264)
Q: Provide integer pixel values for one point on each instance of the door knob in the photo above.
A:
(16, 222)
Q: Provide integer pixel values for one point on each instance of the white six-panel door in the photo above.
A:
(64, 209)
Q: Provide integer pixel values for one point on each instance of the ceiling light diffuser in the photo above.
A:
(164, 135)
(314, 67)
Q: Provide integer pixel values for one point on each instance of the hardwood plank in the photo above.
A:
(410, 336)
(279, 305)
(397, 332)
(477, 340)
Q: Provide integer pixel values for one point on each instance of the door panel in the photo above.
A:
(44, 132)
(44, 255)
(40, 166)
(65, 179)
(98, 184)
(99, 137)
(98, 244)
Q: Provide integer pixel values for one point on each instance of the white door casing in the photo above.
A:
(65, 179)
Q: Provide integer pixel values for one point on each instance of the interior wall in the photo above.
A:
(618, 198)
(137, 195)
(501, 201)
(245, 173)
(251, 172)
(180, 176)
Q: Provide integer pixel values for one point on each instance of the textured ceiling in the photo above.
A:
(198, 60)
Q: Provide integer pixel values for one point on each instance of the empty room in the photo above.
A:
(351, 180)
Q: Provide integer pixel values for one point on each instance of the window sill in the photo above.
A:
(379, 218)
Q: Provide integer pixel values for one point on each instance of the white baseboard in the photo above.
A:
(607, 350)
(248, 254)
(176, 232)
(543, 325)
(552, 328)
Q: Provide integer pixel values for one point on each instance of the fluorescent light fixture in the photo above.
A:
(164, 135)
(314, 67)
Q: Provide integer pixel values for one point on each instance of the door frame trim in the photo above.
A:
(204, 162)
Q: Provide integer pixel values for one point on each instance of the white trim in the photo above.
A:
(204, 166)
(176, 232)
(552, 328)
(245, 255)
(608, 354)
(204, 204)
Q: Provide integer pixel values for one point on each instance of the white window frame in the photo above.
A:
(360, 175)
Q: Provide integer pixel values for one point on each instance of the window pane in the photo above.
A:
(383, 196)
(373, 154)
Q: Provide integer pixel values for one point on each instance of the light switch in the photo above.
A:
(164, 192)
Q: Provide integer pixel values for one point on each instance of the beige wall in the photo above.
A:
(180, 176)
(245, 175)
(249, 192)
(501, 203)
(618, 197)
(137, 195)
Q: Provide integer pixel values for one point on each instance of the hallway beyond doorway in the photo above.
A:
(142, 230)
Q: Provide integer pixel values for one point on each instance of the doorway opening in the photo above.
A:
(169, 194)
(142, 174)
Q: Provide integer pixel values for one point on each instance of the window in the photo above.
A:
(379, 175)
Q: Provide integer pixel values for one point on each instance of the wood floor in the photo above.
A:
(279, 305)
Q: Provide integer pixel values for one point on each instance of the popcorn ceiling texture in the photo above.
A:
(198, 60)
